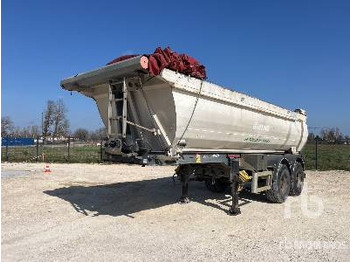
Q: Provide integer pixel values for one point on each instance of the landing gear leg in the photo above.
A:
(234, 170)
(184, 197)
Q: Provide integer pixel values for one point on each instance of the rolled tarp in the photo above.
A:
(166, 58)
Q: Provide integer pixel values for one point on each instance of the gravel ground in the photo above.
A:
(97, 212)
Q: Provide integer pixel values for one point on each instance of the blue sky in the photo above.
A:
(292, 53)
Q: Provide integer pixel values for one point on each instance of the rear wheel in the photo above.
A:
(297, 181)
(280, 187)
(217, 185)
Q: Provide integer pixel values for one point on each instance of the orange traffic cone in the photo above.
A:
(47, 169)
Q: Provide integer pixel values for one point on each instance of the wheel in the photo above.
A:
(219, 186)
(280, 187)
(297, 180)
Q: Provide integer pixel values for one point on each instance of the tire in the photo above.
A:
(280, 187)
(297, 180)
(218, 187)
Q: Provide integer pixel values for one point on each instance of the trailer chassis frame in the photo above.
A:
(229, 166)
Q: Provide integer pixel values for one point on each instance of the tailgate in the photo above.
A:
(126, 68)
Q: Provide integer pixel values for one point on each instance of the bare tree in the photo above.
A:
(25, 132)
(63, 128)
(347, 140)
(60, 121)
(81, 133)
(338, 136)
(311, 137)
(34, 131)
(327, 135)
(17, 132)
(48, 118)
(6, 126)
(98, 134)
(332, 135)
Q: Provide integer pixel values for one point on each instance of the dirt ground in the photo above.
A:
(97, 212)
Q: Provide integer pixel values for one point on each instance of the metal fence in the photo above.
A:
(318, 156)
(66, 151)
(321, 156)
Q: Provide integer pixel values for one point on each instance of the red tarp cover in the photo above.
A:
(167, 58)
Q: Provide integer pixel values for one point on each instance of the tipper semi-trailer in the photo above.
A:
(217, 135)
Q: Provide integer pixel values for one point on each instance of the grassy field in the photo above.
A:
(56, 153)
(330, 157)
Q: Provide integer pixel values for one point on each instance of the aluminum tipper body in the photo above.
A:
(211, 131)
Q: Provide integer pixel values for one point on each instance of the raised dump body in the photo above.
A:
(215, 134)
(185, 114)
